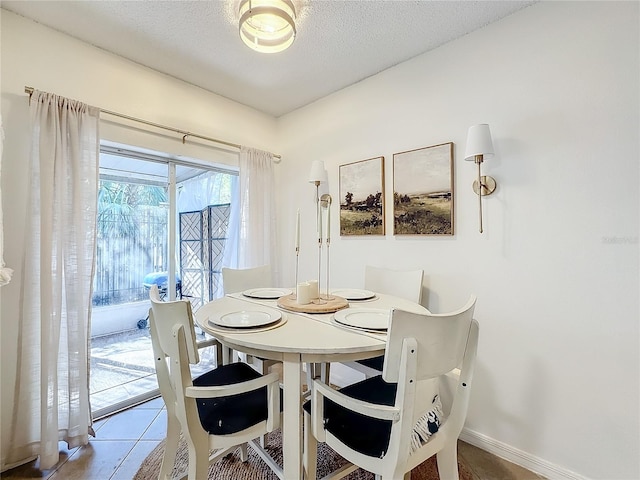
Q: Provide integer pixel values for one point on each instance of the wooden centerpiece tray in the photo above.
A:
(288, 302)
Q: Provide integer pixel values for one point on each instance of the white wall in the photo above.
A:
(556, 271)
(33, 55)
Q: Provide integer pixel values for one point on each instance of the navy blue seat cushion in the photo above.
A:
(226, 415)
(375, 362)
(366, 435)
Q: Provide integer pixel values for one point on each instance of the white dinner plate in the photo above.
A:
(354, 294)
(246, 319)
(267, 293)
(369, 318)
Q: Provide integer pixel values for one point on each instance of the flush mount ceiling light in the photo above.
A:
(267, 26)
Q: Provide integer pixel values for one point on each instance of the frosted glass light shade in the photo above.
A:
(267, 26)
(478, 142)
(318, 172)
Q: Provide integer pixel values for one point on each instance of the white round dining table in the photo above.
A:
(297, 338)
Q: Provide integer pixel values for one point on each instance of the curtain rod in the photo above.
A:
(277, 158)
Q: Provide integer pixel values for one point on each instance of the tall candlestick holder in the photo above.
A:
(319, 300)
(325, 203)
(317, 176)
(295, 289)
(328, 296)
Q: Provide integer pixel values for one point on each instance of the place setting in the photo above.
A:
(370, 320)
(266, 293)
(247, 321)
(354, 294)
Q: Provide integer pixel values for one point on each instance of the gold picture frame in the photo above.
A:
(362, 197)
(423, 200)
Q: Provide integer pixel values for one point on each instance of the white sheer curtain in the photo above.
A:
(209, 189)
(5, 273)
(230, 254)
(52, 386)
(257, 219)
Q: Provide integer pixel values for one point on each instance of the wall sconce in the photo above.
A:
(479, 146)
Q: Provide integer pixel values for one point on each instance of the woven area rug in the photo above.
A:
(231, 468)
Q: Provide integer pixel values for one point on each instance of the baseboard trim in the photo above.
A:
(523, 459)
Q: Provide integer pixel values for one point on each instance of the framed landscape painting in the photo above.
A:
(423, 191)
(362, 197)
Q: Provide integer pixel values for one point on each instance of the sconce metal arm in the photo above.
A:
(483, 186)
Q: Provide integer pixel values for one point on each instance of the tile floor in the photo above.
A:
(125, 439)
(122, 442)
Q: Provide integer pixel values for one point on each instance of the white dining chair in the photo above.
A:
(405, 284)
(155, 295)
(391, 423)
(220, 410)
(236, 280)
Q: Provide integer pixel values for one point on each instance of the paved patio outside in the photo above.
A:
(122, 367)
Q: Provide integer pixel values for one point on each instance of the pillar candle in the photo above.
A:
(303, 293)
(313, 288)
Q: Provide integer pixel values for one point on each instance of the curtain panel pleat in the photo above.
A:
(5, 272)
(52, 381)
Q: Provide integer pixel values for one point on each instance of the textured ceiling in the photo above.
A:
(338, 43)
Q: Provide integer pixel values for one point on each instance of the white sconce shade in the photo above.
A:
(267, 26)
(478, 142)
(318, 172)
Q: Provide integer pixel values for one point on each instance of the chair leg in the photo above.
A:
(325, 372)
(244, 456)
(310, 452)
(228, 355)
(219, 360)
(448, 462)
(198, 459)
(319, 371)
(170, 448)
(264, 369)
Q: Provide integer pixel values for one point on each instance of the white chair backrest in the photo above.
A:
(164, 315)
(171, 347)
(238, 280)
(441, 338)
(405, 284)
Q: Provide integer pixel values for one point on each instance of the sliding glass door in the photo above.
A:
(145, 204)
